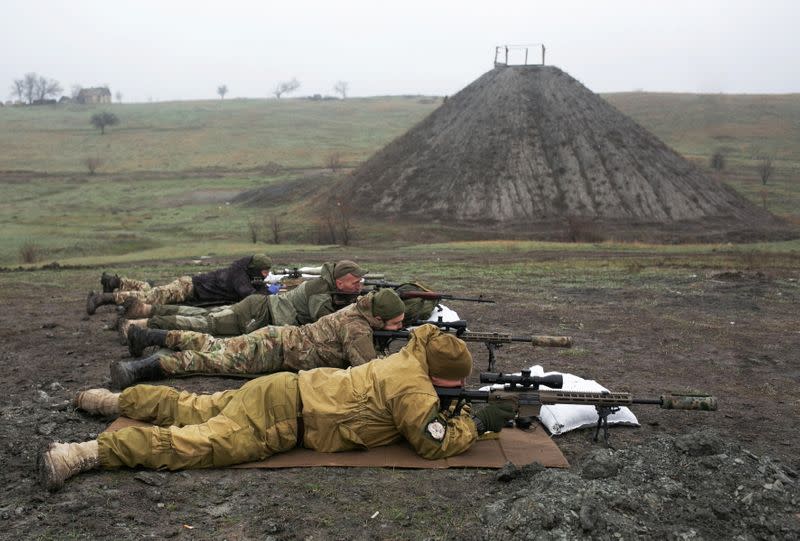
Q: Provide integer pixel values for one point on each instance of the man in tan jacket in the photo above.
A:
(324, 409)
(337, 340)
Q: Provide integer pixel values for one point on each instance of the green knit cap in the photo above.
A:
(387, 305)
(260, 262)
(448, 357)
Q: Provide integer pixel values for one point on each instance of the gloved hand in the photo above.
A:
(494, 416)
(273, 289)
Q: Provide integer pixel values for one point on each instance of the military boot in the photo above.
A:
(98, 299)
(110, 282)
(142, 337)
(136, 309)
(126, 373)
(63, 460)
(124, 326)
(97, 401)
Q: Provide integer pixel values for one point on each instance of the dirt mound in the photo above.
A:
(530, 144)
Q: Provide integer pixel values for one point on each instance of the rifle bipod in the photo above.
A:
(603, 411)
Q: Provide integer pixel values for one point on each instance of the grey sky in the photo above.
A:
(176, 49)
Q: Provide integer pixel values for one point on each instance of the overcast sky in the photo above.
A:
(176, 49)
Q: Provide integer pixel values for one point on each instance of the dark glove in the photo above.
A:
(494, 416)
(274, 289)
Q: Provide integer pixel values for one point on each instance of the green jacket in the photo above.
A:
(307, 302)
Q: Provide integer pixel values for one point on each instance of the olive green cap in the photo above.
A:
(387, 305)
(260, 262)
(448, 357)
(345, 267)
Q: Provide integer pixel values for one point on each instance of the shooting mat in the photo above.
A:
(519, 447)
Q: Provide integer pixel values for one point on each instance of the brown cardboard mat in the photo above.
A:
(519, 447)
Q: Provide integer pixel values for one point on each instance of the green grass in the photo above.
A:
(169, 168)
(178, 136)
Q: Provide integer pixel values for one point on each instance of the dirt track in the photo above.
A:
(682, 475)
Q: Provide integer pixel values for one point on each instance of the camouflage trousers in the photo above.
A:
(260, 352)
(192, 318)
(175, 292)
(204, 431)
(129, 284)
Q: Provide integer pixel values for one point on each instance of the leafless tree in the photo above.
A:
(253, 228)
(35, 87)
(341, 88)
(92, 163)
(345, 214)
(30, 87)
(29, 252)
(101, 120)
(717, 161)
(18, 89)
(275, 227)
(326, 228)
(118, 96)
(222, 90)
(334, 161)
(44, 87)
(765, 169)
(286, 87)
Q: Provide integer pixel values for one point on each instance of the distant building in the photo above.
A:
(94, 95)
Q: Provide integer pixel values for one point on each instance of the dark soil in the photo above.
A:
(730, 474)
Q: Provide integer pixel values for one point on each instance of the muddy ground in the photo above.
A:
(731, 474)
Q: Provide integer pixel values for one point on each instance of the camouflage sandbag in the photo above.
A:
(416, 309)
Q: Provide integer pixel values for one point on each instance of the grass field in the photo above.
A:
(167, 170)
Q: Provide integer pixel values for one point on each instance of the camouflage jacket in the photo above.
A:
(341, 339)
(309, 301)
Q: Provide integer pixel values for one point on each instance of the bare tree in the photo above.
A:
(275, 226)
(34, 87)
(222, 90)
(44, 87)
(717, 161)
(286, 87)
(254, 229)
(101, 120)
(30, 87)
(92, 163)
(18, 89)
(118, 95)
(765, 169)
(341, 88)
(345, 222)
(334, 161)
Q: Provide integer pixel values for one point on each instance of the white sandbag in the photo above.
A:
(443, 312)
(561, 418)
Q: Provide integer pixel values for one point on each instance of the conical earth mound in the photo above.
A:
(529, 145)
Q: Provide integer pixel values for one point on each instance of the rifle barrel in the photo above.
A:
(604, 399)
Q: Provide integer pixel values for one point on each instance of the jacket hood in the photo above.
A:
(364, 307)
(327, 274)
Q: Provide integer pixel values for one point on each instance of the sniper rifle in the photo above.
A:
(493, 340)
(435, 296)
(524, 393)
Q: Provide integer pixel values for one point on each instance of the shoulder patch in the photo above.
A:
(436, 429)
